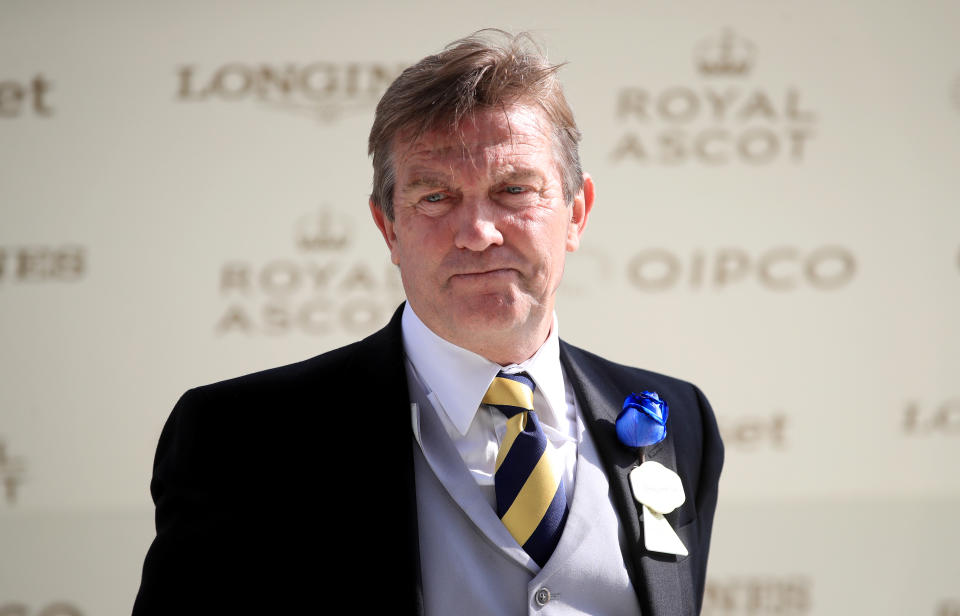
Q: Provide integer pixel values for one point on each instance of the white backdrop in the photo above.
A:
(183, 199)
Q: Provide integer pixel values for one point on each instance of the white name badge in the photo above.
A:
(660, 491)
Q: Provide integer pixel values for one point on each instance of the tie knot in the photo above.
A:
(511, 393)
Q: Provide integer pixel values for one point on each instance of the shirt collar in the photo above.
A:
(459, 378)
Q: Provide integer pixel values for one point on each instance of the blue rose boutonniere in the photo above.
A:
(643, 420)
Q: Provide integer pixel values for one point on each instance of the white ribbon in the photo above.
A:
(660, 491)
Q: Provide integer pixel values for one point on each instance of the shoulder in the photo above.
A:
(328, 372)
(297, 393)
(612, 375)
(603, 385)
(274, 414)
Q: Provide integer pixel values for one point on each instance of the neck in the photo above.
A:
(503, 341)
(506, 348)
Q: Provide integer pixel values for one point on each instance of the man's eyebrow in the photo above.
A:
(518, 175)
(427, 180)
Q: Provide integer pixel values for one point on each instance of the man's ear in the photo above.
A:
(386, 229)
(579, 212)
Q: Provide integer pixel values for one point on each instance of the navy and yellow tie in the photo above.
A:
(531, 500)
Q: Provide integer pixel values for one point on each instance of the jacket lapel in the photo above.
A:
(655, 576)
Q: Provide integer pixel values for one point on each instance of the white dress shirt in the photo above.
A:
(456, 380)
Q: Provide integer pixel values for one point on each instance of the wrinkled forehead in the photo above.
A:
(517, 128)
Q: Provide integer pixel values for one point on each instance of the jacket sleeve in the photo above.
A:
(711, 463)
(193, 557)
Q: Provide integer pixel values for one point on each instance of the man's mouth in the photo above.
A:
(486, 273)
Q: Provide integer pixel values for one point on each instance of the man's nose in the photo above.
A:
(477, 225)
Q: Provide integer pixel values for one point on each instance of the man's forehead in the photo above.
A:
(517, 126)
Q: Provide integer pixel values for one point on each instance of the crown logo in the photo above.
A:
(321, 230)
(727, 54)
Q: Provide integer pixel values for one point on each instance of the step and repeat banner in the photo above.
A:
(183, 199)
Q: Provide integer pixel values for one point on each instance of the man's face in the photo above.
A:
(481, 228)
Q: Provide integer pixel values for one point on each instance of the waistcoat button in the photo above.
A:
(542, 597)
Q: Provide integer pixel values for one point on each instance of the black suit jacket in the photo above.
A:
(294, 487)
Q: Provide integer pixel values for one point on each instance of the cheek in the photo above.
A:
(417, 247)
(546, 238)
(546, 258)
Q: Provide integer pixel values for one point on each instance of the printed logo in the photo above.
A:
(920, 419)
(54, 609)
(786, 596)
(323, 90)
(12, 470)
(781, 268)
(42, 263)
(25, 97)
(753, 433)
(322, 231)
(322, 287)
(721, 118)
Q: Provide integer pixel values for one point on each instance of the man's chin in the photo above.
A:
(489, 308)
(475, 315)
(494, 314)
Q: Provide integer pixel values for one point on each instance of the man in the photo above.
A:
(463, 460)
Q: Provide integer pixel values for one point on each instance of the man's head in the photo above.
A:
(474, 73)
(478, 192)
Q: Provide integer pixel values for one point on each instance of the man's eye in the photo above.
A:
(433, 198)
(515, 190)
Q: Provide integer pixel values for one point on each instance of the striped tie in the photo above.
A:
(531, 500)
